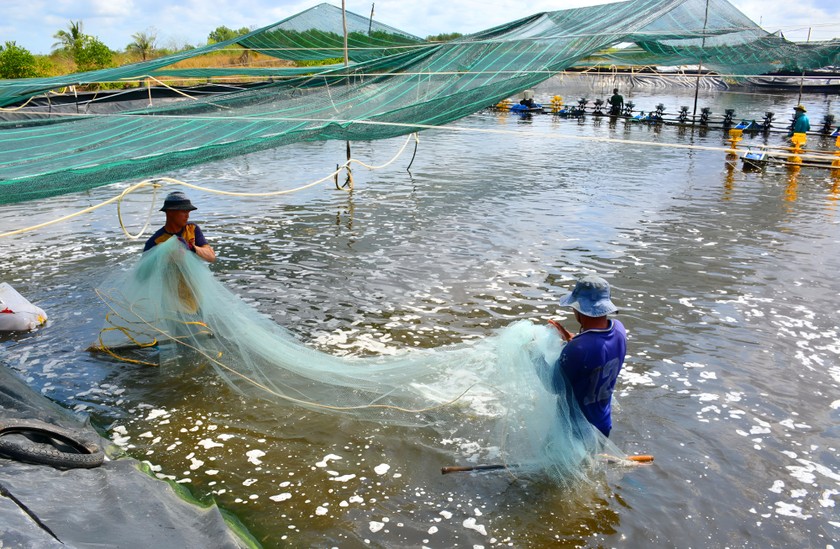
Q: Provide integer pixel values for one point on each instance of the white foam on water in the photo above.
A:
(789, 423)
(825, 499)
(790, 510)
(120, 437)
(207, 444)
(154, 414)
(472, 525)
(329, 457)
(733, 396)
(281, 497)
(464, 446)
(343, 478)
(376, 526)
(254, 456)
(805, 473)
(632, 378)
(381, 469)
(778, 487)
(321, 510)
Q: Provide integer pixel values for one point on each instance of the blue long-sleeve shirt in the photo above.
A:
(591, 362)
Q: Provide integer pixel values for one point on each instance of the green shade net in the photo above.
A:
(394, 84)
(169, 311)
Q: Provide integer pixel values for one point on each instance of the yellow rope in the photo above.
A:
(13, 109)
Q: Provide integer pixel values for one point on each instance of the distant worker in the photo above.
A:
(801, 124)
(177, 208)
(592, 358)
(616, 103)
(528, 99)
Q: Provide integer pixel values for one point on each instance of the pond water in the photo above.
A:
(726, 281)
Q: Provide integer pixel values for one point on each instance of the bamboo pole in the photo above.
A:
(644, 458)
(802, 78)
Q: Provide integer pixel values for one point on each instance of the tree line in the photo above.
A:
(75, 51)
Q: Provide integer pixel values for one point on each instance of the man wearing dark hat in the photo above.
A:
(177, 208)
(801, 124)
(592, 358)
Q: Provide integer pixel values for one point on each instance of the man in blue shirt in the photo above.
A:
(177, 208)
(592, 358)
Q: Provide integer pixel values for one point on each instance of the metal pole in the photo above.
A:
(370, 23)
(700, 65)
(344, 22)
(349, 181)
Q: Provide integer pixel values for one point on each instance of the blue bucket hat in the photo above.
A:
(591, 297)
(177, 201)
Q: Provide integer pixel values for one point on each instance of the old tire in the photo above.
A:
(48, 444)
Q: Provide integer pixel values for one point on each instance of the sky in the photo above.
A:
(32, 23)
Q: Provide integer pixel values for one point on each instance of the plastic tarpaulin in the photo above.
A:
(113, 505)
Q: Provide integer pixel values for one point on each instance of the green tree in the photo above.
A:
(16, 62)
(70, 40)
(144, 44)
(444, 37)
(92, 55)
(223, 33)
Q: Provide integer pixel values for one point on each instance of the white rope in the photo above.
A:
(80, 212)
(156, 184)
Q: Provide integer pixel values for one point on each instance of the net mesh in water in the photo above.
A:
(496, 389)
(395, 84)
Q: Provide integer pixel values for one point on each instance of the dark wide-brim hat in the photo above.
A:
(591, 297)
(177, 201)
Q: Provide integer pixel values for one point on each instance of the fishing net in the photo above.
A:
(169, 310)
(394, 84)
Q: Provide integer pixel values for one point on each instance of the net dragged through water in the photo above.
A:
(169, 300)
